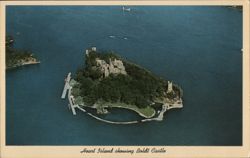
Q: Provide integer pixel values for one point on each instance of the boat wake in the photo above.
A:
(111, 36)
(115, 37)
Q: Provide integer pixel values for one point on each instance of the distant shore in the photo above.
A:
(23, 64)
(30, 63)
(16, 57)
(236, 7)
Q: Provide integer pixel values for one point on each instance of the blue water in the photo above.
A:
(199, 48)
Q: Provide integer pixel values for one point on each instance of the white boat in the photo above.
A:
(126, 9)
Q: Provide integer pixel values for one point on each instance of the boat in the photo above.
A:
(111, 36)
(126, 9)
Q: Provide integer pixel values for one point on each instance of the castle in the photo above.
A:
(114, 66)
(170, 87)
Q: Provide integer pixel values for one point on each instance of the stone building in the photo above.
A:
(88, 50)
(170, 87)
(113, 67)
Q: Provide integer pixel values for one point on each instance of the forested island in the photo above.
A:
(237, 7)
(108, 81)
(16, 57)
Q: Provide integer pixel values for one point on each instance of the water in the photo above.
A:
(196, 47)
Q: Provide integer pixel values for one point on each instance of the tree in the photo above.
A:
(139, 87)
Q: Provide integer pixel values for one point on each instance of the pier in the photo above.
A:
(66, 86)
(112, 122)
(71, 102)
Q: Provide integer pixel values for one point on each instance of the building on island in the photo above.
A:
(170, 87)
(113, 67)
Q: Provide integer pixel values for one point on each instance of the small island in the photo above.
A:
(16, 57)
(236, 7)
(109, 81)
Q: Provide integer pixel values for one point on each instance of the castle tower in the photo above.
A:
(87, 52)
(170, 87)
(106, 71)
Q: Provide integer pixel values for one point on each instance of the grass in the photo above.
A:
(147, 112)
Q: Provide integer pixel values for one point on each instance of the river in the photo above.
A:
(198, 48)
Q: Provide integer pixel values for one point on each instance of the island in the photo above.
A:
(109, 81)
(15, 57)
(236, 7)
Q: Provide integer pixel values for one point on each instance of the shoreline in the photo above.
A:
(112, 105)
(23, 64)
(31, 63)
(72, 106)
(138, 112)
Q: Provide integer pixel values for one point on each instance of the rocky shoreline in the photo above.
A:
(23, 63)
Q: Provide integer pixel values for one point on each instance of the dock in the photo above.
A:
(71, 102)
(66, 86)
